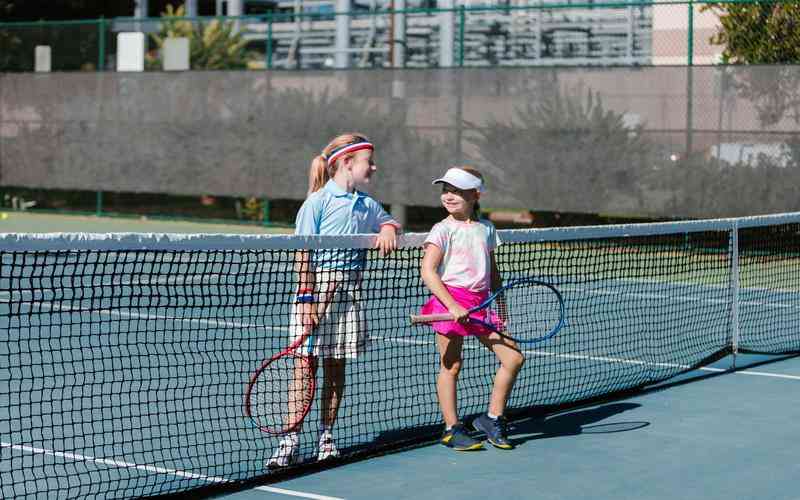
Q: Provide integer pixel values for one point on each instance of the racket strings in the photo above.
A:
(283, 392)
(528, 311)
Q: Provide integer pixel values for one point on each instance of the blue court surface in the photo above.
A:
(708, 435)
(130, 374)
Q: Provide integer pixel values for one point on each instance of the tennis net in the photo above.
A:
(125, 357)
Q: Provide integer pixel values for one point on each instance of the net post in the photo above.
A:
(734, 290)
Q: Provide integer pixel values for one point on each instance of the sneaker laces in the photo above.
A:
(326, 442)
(285, 453)
(501, 424)
(327, 447)
(325, 437)
(286, 446)
(458, 427)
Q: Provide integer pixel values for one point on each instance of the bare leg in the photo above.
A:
(447, 380)
(332, 389)
(511, 361)
(299, 390)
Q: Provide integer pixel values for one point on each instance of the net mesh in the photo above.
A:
(126, 358)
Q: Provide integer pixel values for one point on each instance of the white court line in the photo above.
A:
(157, 470)
(677, 298)
(768, 374)
(120, 314)
(580, 357)
(660, 365)
(144, 281)
(113, 463)
(748, 372)
(292, 493)
(607, 359)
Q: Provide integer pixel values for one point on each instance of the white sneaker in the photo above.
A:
(286, 454)
(327, 449)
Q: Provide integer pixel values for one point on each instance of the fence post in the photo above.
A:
(101, 49)
(446, 15)
(690, 33)
(690, 83)
(265, 212)
(269, 41)
(98, 207)
(343, 13)
(462, 17)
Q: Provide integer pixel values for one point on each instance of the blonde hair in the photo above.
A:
(320, 172)
(476, 209)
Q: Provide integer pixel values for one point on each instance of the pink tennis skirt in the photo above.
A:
(467, 299)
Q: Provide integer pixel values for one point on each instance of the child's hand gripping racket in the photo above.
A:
(280, 393)
(525, 310)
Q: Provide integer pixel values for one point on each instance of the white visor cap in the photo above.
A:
(461, 179)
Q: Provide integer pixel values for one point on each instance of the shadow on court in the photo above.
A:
(584, 421)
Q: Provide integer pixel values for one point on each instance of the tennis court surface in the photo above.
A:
(728, 435)
(128, 358)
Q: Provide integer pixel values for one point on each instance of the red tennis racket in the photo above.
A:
(280, 393)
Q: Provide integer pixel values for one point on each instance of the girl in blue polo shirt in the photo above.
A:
(333, 277)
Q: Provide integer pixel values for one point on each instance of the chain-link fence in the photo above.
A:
(667, 141)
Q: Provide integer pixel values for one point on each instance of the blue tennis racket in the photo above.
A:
(526, 311)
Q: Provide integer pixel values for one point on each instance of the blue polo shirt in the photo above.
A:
(334, 211)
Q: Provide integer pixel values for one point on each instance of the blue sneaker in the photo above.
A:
(458, 439)
(495, 430)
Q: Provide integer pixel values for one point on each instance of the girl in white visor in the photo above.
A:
(459, 269)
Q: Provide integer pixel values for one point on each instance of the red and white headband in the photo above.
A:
(347, 148)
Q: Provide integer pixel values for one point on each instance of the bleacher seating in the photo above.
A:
(506, 37)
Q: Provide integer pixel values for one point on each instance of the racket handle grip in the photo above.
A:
(430, 318)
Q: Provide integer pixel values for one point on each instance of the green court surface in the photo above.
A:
(31, 222)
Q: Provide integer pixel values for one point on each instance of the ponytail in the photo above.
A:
(317, 174)
(320, 172)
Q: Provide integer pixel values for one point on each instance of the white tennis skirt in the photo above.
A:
(342, 330)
